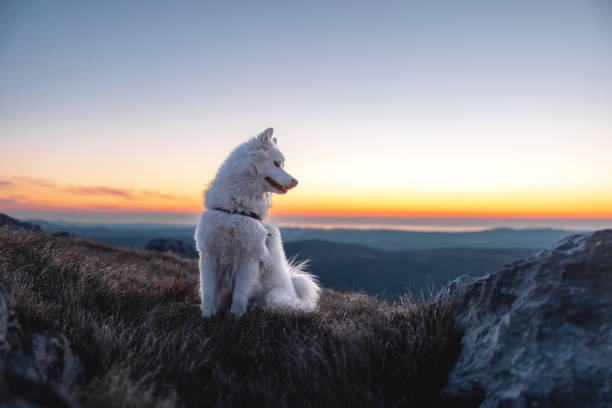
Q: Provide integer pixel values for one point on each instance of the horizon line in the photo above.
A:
(424, 224)
(325, 216)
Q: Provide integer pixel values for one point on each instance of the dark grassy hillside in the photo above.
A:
(391, 273)
(133, 319)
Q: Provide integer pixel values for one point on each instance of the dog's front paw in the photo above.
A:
(238, 309)
(208, 312)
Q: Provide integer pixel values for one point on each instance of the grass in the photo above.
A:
(133, 319)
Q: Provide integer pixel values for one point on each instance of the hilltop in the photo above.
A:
(132, 318)
(96, 325)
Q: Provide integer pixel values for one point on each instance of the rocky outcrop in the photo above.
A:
(176, 246)
(34, 375)
(539, 331)
(14, 223)
(9, 326)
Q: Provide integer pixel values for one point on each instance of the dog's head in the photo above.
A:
(268, 163)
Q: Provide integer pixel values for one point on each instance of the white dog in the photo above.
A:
(242, 260)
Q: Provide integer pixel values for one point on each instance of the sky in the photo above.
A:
(411, 109)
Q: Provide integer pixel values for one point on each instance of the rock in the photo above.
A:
(63, 234)
(9, 326)
(22, 392)
(49, 358)
(33, 376)
(14, 223)
(176, 246)
(539, 331)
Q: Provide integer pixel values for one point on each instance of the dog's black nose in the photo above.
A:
(294, 183)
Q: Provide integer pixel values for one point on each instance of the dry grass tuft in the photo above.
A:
(133, 318)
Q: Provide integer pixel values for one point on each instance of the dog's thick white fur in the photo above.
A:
(242, 261)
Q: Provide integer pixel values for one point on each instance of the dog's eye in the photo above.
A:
(277, 164)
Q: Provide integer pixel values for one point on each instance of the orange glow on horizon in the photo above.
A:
(468, 205)
(304, 204)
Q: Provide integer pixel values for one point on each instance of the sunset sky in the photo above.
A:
(383, 109)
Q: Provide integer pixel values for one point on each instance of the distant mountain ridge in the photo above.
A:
(138, 235)
(418, 240)
(381, 262)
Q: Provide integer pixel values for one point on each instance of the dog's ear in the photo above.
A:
(265, 137)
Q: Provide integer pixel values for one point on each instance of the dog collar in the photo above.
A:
(251, 214)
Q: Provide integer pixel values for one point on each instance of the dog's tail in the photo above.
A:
(305, 284)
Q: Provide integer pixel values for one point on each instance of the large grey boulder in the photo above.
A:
(538, 333)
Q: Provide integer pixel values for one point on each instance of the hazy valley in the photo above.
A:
(379, 262)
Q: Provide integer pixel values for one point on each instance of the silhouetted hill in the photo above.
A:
(357, 267)
(125, 235)
(15, 223)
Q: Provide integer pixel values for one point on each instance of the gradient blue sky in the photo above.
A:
(416, 101)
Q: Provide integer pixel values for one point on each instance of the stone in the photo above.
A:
(176, 246)
(48, 358)
(538, 332)
(33, 376)
(9, 326)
